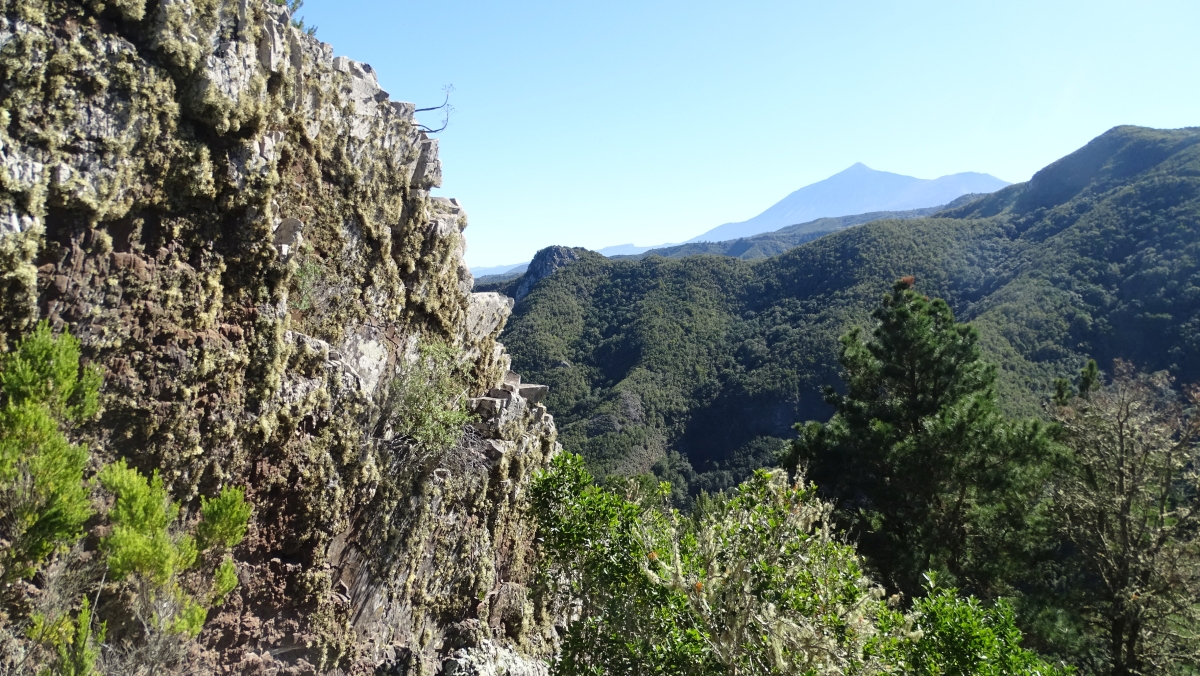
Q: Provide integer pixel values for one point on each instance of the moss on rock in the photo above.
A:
(171, 172)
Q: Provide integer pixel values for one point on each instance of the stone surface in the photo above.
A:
(544, 263)
(240, 232)
(534, 393)
(490, 659)
(487, 313)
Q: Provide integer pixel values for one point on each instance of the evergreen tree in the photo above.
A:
(923, 467)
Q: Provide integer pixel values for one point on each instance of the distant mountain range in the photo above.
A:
(492, 270)
(777, 241)
(857, 190)
(629, 249)
(695, 367)
(512, 270)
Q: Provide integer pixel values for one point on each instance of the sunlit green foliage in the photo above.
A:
(753, 582)
(147, 549)
(140, 543)
(73, 642)
(426, 400)
(223, 519)
(964, 637)
(923, 466)
(756, 584)
(44, 369)
(224, 581)
(43, 500)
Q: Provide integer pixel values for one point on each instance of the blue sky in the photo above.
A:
(595, 124)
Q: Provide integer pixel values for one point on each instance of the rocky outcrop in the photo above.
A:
(544, 263)
(238, 227)
(489, 659)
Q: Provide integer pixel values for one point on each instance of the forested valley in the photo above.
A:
(256, 416)
(1014, 420)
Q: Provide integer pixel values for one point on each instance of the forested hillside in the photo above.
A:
(776, 242)
(695, 368)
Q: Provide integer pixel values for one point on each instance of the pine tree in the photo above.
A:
(922, 465)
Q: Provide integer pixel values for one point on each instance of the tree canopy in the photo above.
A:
(922, 464)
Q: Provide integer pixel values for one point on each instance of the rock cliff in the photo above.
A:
(544, 263)
(237, 225)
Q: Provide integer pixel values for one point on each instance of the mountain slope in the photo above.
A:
(773, 243)
(696, 367)
(492, 271)
(856, 190)
(746, 248)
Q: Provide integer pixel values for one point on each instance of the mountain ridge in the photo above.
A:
(856, 190)
(755, 247)
(651, 358)
(906, 193)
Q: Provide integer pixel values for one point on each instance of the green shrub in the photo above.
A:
(43, 500)
(224, 581)
(426, 401)
(963, 637)
(145, 549)
(223, 519)
(752, 583)
(72, 642)
(44, 369)
(140, 543)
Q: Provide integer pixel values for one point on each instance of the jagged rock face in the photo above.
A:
(544, 263)
(238, 227)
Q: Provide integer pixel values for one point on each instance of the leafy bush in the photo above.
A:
(223, 519)
(139, 543)
(44, 369)
(426, 401)
(43, 500)
(72, 641)
(145, 549)
(963, 637)
(224, 581)
(754, 582)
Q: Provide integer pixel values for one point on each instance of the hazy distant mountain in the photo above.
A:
(482, 271)
(627, 249)
(857, 190)
(496, 273)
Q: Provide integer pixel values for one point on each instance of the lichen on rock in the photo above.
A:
(238, 227)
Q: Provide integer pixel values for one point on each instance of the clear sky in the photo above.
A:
(603, 123)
